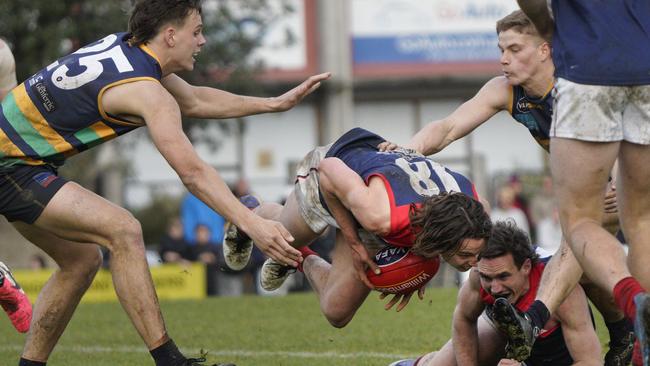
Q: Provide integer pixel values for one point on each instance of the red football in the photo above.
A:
(402, 271)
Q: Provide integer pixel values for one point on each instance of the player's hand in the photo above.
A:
(387, 146)
(611, 205)
(273, 239)
(405, 298)
(289, 99)
(509, 362)
(362, 261)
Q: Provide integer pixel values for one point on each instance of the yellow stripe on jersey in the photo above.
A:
(103, 131)
(103, 113)
(150, 52)
(34, 116)
(7, 147)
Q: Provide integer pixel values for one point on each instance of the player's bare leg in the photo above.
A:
(634, 209)
(96, 220)
(273, 274)
(78, 263)
(581, 170)
(339, 290)
(562, 274)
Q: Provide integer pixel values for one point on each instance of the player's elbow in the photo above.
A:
(375, 223)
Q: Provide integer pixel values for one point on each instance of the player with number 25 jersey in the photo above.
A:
(57, 112)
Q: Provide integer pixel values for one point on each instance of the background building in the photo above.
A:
(397, 64)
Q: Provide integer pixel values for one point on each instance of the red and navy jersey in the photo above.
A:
(535, 114)
(58, 111)
(409, 178)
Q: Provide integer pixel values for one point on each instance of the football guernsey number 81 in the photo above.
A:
(94, 67)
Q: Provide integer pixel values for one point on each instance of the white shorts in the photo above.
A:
(307, 195)
(307, 191)
(601, 113)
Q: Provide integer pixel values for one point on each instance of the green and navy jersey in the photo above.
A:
(58, 112)
(535, 114)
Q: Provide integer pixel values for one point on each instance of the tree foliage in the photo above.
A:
(41, 31)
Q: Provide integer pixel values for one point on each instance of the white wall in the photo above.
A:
(272, 141)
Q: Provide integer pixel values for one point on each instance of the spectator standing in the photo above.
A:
(505, 209)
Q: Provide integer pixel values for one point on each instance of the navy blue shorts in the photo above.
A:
(26, 190)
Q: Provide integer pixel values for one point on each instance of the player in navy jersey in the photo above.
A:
(602, 114)
(101, 91)
(525, 91)
(373, 198)
(510, 268)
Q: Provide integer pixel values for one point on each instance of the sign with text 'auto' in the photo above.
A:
(426, 31)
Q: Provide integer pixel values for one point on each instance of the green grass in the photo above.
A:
(251, 330)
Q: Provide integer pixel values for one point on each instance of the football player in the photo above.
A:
(396, 197)
(510, 270)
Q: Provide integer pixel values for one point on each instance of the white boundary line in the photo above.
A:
(240, 353)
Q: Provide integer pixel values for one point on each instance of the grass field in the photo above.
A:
(255, 331)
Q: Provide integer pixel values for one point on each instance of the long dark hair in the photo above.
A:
(148, 16)
(445, 220)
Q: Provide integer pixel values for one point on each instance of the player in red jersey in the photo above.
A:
(510, 268)
(396, 197)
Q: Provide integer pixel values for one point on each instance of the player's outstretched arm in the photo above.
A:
(537, 11)
(465, 321)
(206, 102)
(578, 329)
(435, 136)
(164, 124)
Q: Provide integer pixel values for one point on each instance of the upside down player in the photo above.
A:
(12, 298)
(525, 92)
(509, 268)
(404, 199)
(102, 91)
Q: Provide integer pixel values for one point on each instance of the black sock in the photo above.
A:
(24, 362)
(619, 329)
(167, 354)
(538, 314)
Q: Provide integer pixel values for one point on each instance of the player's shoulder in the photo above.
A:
(498, 84)
(498, 91)
(6, 57)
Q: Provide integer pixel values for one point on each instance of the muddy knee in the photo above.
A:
(125, 236)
